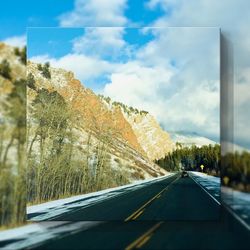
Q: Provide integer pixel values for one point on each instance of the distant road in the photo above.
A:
(173, 198)
(174, 213)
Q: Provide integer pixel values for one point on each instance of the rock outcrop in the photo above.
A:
(128, 140)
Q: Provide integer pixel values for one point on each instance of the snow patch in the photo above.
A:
(210, 183)
(37, 233)
(189, 139)
(50, 210)
(238, 201)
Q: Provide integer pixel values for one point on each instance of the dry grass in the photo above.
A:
(57, 166)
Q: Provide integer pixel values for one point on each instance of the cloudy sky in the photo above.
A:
(171, 72)
(232, 16)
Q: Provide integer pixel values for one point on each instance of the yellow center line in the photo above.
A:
(144, 238)
(148, 202)
(144, 241)
(138, 214)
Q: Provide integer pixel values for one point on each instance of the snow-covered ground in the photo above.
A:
(210, 183)
(37, 233)
(238, 202)
(188, 139)
(50, 210)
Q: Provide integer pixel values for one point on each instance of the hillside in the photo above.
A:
(188, 139)
(17, 69)
(153, 139)
(12, 135)
(104, 141)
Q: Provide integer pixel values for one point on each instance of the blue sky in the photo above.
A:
(13, 22)
(18, 15)
(53, 41)
(58, 41)
(167, 71)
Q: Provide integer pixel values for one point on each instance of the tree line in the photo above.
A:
(235, 170)
(59, 165)
(127, 109)
(192, 158)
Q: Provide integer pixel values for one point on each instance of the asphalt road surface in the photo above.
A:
(175, 213)
(173, 198)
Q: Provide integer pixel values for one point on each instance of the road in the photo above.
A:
(174, 213)
(173, 198)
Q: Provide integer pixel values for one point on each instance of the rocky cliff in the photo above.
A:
(130, 138)
(87, 107)
(152, 138)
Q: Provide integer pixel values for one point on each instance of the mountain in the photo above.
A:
(153, 139)
(229, 147)
(133, 139)
(188, 139)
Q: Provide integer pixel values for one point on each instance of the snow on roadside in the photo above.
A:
(33, 234)
(51, 209)
(238, 201)
(36, 233)
(210, 183)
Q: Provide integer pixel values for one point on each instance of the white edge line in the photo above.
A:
(205, 190)
(236, 216)
(228, 208)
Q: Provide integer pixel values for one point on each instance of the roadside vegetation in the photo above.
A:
(235, 170)
(58, 164)
(126, 109)
(12, 149)
(5, 69)
(21, 53)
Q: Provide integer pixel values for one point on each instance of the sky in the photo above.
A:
(146, 52)
(171, 72)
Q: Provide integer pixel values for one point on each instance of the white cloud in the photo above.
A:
(95, 13)
(176, 78)
(100, 41)
(16, 41)
(234, 18)
(83, 66)
(137, 85)
(195, 109)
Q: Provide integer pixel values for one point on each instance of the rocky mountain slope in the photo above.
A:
(12, 135)
(130, 138)
(153, 139)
